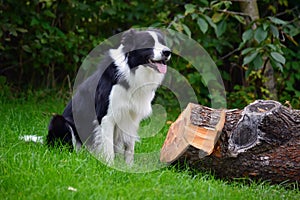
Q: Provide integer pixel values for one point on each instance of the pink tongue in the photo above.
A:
(162, 68)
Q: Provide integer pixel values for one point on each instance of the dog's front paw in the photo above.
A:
(129, 158)
(104, 153)
(109, 160)
(108, 155)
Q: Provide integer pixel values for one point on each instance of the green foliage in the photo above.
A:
(265, 44)
(217, 26)
(43, 42)
(289, 83)
(38, 45)
(244, 95)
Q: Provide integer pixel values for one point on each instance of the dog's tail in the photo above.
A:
(61, 132)
(32, 138)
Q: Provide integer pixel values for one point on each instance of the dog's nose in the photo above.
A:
(166, 53)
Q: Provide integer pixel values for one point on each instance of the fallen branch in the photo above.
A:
(262, 141)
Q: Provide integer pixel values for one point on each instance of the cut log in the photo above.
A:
(262, 141)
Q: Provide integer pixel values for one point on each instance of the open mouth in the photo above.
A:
(159, 65)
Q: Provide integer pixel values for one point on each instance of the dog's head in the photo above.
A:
(146, 48)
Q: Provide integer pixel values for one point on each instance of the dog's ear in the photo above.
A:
(160, 34)
(128, 40)
(156, 30)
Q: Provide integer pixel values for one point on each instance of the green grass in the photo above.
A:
(31, 171)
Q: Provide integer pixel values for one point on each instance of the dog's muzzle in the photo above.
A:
(160, 64)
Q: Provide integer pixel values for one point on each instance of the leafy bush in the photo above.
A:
(241, 51)
(43, 42)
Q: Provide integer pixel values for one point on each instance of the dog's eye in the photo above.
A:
(146, 43)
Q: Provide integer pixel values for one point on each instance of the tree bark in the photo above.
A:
(251, 9)
(262, 141)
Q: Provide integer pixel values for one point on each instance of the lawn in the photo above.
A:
(32, 171)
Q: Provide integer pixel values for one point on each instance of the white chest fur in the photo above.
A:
(134, 103)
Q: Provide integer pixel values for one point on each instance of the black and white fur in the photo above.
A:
(125, 86)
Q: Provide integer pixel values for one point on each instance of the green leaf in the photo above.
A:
(258, 62)
(13, 32)
(239, 18)
(227, 4)
(26, 48)
(76, 58)
(242, 44)
(202, 25)
(49, 14)
(278, 57)
(34, 21)
(247, 50)
(272, 9)
(297, 93)
(247, 35)
(260, 34)
(295, 65)
(186, 30)
(215, 4)
(22, 30)
(221, 28)
(204, 2)
(248, 71)
(276, 64)
(194, 16)
(189, 8)
(291, 30)
(272, 47)
(217, 17)
(211, 23)
(250, 58)
(265, 26)
(277, 21)
(274, 31)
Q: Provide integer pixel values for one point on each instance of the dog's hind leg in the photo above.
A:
(60, 132)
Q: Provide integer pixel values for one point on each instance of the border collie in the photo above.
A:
(125, 85)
